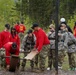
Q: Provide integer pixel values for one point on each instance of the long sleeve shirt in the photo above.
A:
(41, 39)
(15, 39)
(0, 41)
(5, 37)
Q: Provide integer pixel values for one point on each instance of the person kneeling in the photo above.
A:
(11, 48)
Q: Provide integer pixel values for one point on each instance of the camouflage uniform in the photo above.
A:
(62, 46)
(28, 44)
(42, 57)
(2, 60)
(71, 50)
(51, 53)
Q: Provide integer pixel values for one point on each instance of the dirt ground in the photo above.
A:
(60, 72)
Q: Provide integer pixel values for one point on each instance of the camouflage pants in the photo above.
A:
(51, 58)
(24, 62)
(61, 55)
(42, 56)
(71, 58)
(36, 60)
(21, 35)
(2, 60)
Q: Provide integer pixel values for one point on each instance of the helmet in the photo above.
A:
(62, 20)
(14, 46)
(29, 31)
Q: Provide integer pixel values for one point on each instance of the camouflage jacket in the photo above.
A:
(63, 40)
(71, 43)
(51, 37)
(28, 42)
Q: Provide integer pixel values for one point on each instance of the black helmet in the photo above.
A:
(14, 46)
(29, 31)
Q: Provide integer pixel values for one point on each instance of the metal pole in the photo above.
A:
(56, 38)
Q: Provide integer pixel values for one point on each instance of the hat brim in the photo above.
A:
(34, 27)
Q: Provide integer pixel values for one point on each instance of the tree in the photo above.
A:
(43, 11)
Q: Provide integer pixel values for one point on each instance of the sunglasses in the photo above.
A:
(50, 28)
(62, 26)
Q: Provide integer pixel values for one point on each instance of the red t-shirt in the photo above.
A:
(21, 28)
(41, 39)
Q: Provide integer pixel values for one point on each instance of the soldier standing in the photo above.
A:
(51, 53)
(28, 44)
(62, 44)
(71, 51)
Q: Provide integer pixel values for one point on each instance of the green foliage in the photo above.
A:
(41, 11)
(67, 8)
(72, 20)
(5, 12)
(38, 10)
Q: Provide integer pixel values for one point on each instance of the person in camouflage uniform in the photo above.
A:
(62, 44)
(71, 51)
(27, 45)
(51, 54)
(2, 60)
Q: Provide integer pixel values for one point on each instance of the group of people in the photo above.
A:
(66, 45)
(10, 41)
(36, 39)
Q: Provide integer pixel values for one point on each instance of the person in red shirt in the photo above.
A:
(11, 48)
(14, 37)
(16, 26)
(42, 45)
(0, 41)
(21, 31)
(22, 28)
(5, 35)
(74, 30)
